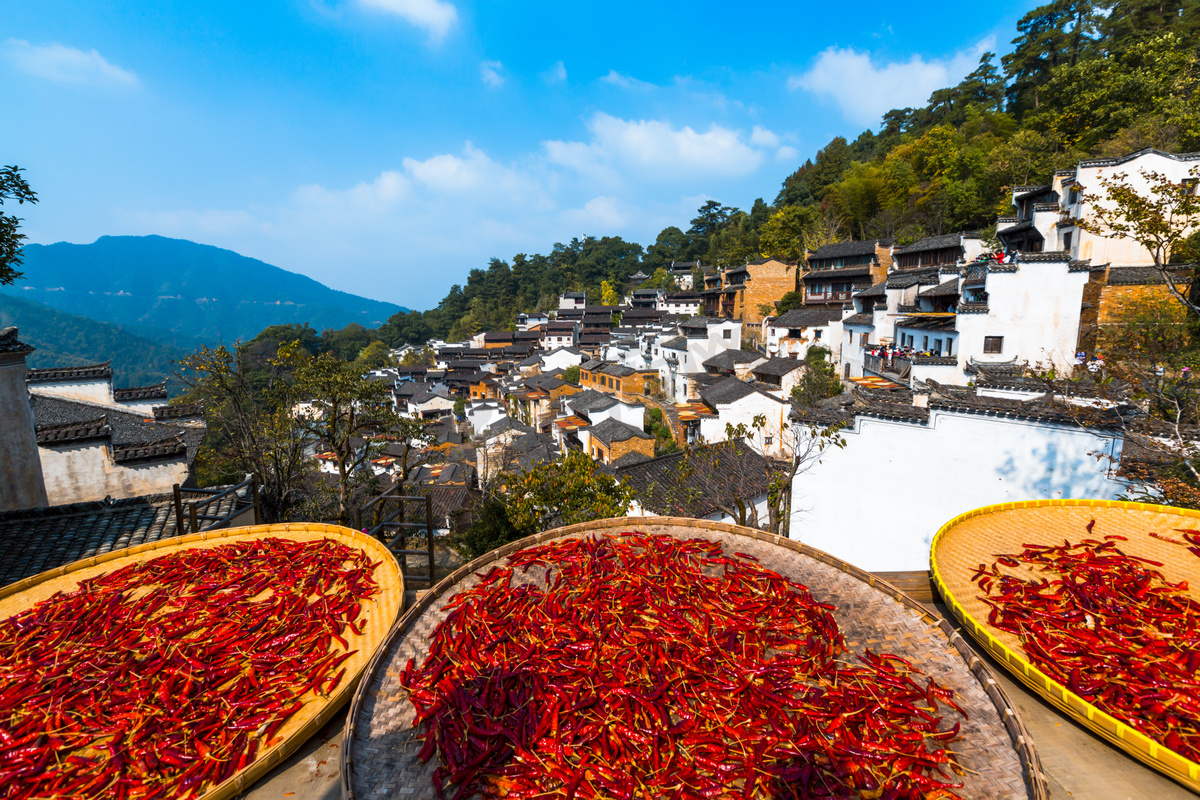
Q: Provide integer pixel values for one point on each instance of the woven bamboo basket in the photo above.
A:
(977, 536)
(380, 613)
(379, 753)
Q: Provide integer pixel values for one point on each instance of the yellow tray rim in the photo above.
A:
(268, 759)
(1131, 740)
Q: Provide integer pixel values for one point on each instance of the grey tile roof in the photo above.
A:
(590, 400)
(179, 411)
(860, 319)
(843, 249)
(628, 460)
(128, 428)
(730, 390)
(678, 343)
(728, 359)
(37, 540)
(697, 482)
(505, 424)
(64, 432)
(905, 279)
(876, 290)
(613, 430)
(937, 242)
(837, 273)
(69, 373)
(156, 392)
(806, 318)
(147, 451)
(778, 367)
(1141, 276)
(947, 289)
(1032, 191)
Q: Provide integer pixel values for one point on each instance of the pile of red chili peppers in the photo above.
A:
(654, 667)
(163, 679)
(1110, 628)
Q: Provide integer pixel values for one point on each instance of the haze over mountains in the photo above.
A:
(179, 292)
(145, 301)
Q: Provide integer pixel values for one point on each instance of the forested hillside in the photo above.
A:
(1084, 79)
(190, 291)
(66, 340)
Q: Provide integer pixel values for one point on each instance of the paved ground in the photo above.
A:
(1077, 763)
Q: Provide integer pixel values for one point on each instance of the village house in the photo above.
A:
(687, 303)
(562, 358)
(681, 272)
(778, 375)
(589, 408)
(617, 379)
(571, 300)
(680, 358)
(735, 402)
(794, 331)
(611, 441)
(836, 271)
(530, 320)
(508, 445)
(560, 333)
(534, 400)
(742, 292)
(734, 362)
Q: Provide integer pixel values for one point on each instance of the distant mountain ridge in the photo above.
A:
(153, 285)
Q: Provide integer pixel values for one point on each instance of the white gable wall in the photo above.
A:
(878, 503)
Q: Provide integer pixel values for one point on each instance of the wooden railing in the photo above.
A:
(393, 528)
(197, 517)
(818, 297)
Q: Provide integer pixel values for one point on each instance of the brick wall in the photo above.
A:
(620, 449)
(766, 283)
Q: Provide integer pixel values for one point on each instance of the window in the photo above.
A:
(1067, 240)
(768, 440)
(816, 335)
(924, 342)
(726, 334)
(1189, 186)
(937, 346)
(1073, 196)
(993, 344)
(862, 340)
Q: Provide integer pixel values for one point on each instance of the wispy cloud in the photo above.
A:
(865, 89)
(556, 73)
(625, 81)
(659, 148)
(62, 64)
(435, 17)
(489, 73)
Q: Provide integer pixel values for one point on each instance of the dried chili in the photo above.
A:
(1109, 627)
(649, 666)
(166, 677)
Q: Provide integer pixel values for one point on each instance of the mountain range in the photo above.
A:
(179, 293)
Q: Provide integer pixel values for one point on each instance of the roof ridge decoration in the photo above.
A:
(145, 451)
(67, 432)
(1045, 257)
(1117, 160)
(54, 374)
(9, 343)
(155, 391)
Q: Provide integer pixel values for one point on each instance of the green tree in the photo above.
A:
(608, 295)
(422, 357)
(376, 355)
(1052, 35)
(460, 407)
(791, 300)
(562, 492)
(819, 379)
(12, 187)
(347, 408)
(670, 246)
(661, 279)
(490, 530)
(251, 425)
(782, 235)
(345, 344)
(571, 375)
(664, 438)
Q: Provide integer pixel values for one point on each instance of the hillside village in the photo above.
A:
(940, 347)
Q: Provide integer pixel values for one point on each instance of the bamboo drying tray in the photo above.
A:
(380, 613)
(977, 536)
(379, 752)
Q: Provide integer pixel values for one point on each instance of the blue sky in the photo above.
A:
(387, 147)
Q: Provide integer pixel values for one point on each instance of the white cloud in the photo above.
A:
(763, 137)
(62, 64)
(489, 73)
(786, 154)
(556, 73)
(625, 81)
(599, 213)
(864, 90)
(655, 147)
(387, 190)
(436, 17)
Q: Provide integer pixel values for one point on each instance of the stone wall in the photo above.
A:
(21, 484)
(85, 471)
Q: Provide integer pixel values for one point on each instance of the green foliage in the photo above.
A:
(460, 407)
(563, 492)
(374, 356)
(423, 357)
(791, 300)
(571, 375)
(661, 279)
(819, 379)
(65, 340)
(12, 187)
(490, 530)
(608, 295)
(657, 426)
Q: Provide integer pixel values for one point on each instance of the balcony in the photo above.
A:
(898, 368)
(827, 297)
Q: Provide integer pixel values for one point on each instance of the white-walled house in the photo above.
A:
(681, 357)
(686, 303)
(482, 413)
(906, 470)
(735, 402)
(562, 358)
(791, 333)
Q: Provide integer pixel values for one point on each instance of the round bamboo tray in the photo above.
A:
(380, 613)
(977, 536)
(379, 753)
